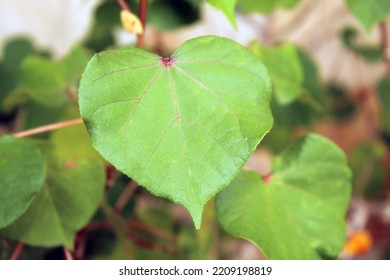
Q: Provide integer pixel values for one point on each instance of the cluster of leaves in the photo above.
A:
(182, 127)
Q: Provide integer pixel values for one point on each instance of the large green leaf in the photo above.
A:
(369, 12)
(285, 70)
(70, 196)
(227, 7)
(181, 126)
(265, 6)
(22, 171)
(298, 211)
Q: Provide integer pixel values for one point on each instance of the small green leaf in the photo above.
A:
(369, 12)
(45, 80)
(309, 106)
(371, 53)
(265, 6)
(70, 195)
(13, 54)
(22, 171)
(284, 69)
(227, 7)
(182, 126)
(42, 79)
(74, 64)
(298, 211)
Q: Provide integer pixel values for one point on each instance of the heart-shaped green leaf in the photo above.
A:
(181, 126)
(22, 171)
(70, 195)
(298, 211)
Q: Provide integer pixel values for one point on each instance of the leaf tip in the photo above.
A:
(196, 215)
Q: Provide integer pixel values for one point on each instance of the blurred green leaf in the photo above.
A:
(227, 7)
(43, 80)
(280, 136)
(46, 80)
(298, 212)
(310, 105)
(285, 70)
(13, 54)
(73, 65)
(369, 172)
(172, 14)
(106, 18)
(36, 115)
(22, 172)
(369, 12)
(71, 194)
(265, 6)
(73, 143)
(371, 53)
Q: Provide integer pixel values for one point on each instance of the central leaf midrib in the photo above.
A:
(178, 116)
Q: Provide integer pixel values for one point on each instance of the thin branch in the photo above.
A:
(17, 251)
(68, 254)
(135, 225)
(385, 46)
(125, 196)
(166, 248)
(143, 10)
(151, 230)
(47, 128)
(72, 94)
(123, 5)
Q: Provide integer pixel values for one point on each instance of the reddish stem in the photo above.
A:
(151, 245)
(17, 251)
(68, 254)
(123, 5)
(143, 10)
(80, 243)
(125, 196)
(267, 178)
(110, 177)
(47, 128)
(151, 230)
(135, 225)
